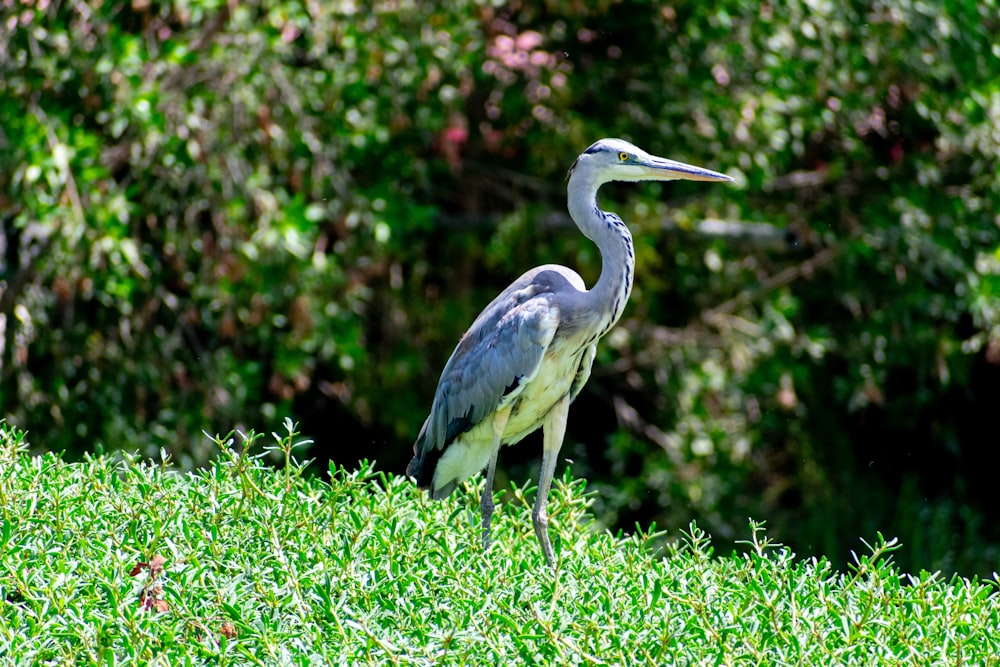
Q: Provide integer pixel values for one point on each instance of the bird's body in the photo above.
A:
(530, 390)
(530, 351)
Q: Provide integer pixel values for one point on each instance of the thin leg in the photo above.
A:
(486, 501)
(554, 430)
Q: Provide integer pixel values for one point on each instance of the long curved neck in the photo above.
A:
(610, 294)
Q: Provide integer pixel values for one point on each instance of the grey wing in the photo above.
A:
(495, 359)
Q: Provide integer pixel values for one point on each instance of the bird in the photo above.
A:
(530, 352)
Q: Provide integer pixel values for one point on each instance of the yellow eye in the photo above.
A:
(623, 156)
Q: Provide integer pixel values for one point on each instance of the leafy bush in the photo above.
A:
(119, 560)
(224, 214)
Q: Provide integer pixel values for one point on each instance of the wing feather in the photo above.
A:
(500, 353)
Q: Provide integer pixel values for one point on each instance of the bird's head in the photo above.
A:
(618, 160)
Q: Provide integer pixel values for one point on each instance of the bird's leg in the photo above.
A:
(486, 501)
(554, 430)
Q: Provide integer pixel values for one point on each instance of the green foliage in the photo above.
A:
(841, 379)
(194, 195)
(114, 560)
(222, 214)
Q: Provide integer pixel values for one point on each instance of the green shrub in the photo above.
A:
(224, 214)
(112, 560)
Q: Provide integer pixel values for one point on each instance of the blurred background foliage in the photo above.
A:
(215, 215)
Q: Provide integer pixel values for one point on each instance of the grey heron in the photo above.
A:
(528, 354)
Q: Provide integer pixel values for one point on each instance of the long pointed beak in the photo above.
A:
(662, 169)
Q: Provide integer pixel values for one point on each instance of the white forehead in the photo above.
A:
(614, 146)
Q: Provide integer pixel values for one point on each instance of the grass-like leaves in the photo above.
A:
(120, 561)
